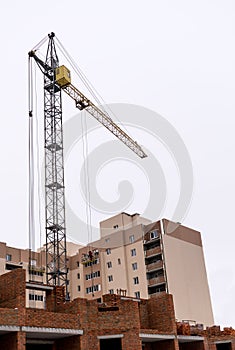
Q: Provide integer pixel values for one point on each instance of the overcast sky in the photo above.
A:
(176, 58)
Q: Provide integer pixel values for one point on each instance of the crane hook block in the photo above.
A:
(63, 77)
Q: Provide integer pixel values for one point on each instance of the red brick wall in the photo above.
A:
(12, 289)
(21, 340)
(42, 318)
(131, 341)
(123, 320)
(55, 298)
(158, 313)
(9, 317)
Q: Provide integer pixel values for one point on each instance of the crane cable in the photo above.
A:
(86, 176)
(32, 91)
(37, 164)
(31, 167)
(41, 42)
(87, 193)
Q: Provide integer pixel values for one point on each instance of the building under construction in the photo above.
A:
(116, 322)
(141, 286)
(157, 297)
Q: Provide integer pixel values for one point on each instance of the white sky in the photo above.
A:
(176, 58)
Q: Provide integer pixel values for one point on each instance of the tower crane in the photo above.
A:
(57, 78)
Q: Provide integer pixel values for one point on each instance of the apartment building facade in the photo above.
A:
(138, 258)
(133, 258)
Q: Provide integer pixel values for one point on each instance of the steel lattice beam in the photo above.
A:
(56, 259)
(82, 102)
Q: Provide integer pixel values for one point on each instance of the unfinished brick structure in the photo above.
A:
(118, 323)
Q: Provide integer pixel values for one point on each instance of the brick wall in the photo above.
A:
(115, 316)
(9, 317)
(211, 336)
(55, 298)
(42, 318)
(12, 289)
(158, 313)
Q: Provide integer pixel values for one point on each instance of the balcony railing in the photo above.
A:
(152, 252)
(156, 280)
(154, 266)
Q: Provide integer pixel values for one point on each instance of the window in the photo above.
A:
(136, 280)
(154, 234)
(35, 297)
(110, 278)
(131, 238)
(137, 295)
(35, 272)
(115, 227)
(133, 252)
(78, 276)
(95, 274)
(111, 291)
(108, 251)
(90, 263)
(8, 257)
(134, 266)
(109, 264)
(77, 263)
(119, 261)
(107, 240)
(79, 288)
(92, 289)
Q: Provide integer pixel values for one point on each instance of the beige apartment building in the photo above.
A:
(135, 258)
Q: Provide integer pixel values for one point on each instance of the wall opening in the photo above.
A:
(224, 346)
(114, 344)
(39, 346)
(196, 345)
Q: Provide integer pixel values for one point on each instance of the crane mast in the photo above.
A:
(56, 79)
(56, 259)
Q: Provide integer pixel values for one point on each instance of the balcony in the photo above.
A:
(152, 252)
(156, 281)
(150, 241)
(154, 266)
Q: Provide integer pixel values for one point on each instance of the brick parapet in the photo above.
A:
(12, 289)
(211, 334)
(215, 334)
(43, 318)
